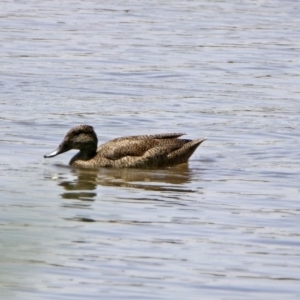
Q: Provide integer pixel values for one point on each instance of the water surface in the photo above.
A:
(225, 226)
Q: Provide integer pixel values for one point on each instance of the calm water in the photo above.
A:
(224, 227)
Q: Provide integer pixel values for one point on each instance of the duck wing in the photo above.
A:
(137, 146)
(159, 136)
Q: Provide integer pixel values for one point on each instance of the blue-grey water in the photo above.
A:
(225, 226)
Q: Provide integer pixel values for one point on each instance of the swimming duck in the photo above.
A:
(142, 151)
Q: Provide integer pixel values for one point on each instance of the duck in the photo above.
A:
(140, 151)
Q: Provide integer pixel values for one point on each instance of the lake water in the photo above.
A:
(226, 226)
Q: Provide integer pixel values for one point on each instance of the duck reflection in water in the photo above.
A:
(86, 180)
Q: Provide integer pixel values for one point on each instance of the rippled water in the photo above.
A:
(224, 227)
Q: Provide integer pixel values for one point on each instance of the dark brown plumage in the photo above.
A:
(143, 151)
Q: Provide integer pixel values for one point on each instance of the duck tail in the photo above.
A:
(183, 154)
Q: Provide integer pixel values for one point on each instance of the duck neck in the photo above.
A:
(87, 152)
(83, 155)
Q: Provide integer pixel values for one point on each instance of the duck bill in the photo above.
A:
(59, 150)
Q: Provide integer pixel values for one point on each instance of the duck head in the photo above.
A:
(82, 137)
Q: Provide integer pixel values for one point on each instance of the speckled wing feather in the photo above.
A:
(166, 136)
(139, 145)
(154, 136)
